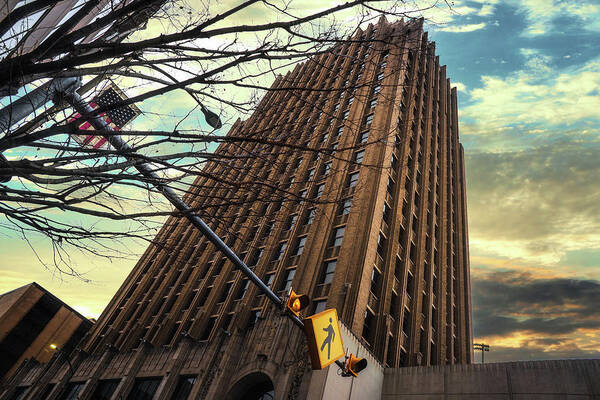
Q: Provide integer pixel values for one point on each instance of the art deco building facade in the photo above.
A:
(348, 186)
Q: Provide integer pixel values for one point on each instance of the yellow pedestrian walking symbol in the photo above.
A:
(324, 338)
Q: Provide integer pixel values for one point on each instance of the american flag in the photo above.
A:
(115, 117)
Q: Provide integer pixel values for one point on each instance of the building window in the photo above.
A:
(364, 136)
(105, 389)
(346, 113)
(336, 107)
(244, 289)
(403, 358)
(394, 305)
(391, 351)
(289, 277)
(345, 207)
(269, 228)
(410, 284)
(144, 389)
(350, 101)
(375, 281)
(297, 164)
(291, 221)
(337, 236)
(256, 258)
(202, 300)
(326, 168)
(369, 119)
(387, 211)
(72, 390)
(328, 271)
(339, 131)
(300, 246)
(352, 180)
(391, 186)
(377, 89)
(358, 156)
(381, 241)
(380, 76)
(368, 326)
(398, 269)
(269, 279)
(225, 293)
(333, 148)
(184, 387)
(281, 250)
(373, 103)
(320, 189)
(208, 329)
(310, 216)
(319, 306)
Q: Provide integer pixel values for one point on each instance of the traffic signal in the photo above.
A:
(354, 365)
(297, 303)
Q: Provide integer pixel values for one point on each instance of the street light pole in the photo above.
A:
(59, 350)
(89, 114)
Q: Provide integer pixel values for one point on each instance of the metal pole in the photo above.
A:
(88, 113)
(28, 103)
(119, 144)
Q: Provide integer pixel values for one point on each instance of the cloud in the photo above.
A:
(460, 86)
(463, 28)
(534, 95)
(525, 317)
(541, 15)
(486, 10)
(535, 204)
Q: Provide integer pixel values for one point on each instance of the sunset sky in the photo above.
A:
(528, 75)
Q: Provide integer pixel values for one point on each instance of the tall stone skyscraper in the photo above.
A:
(349, 187)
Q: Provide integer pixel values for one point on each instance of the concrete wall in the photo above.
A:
(529, 380)
(328, 384)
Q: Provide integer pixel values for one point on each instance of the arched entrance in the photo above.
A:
(254, 386)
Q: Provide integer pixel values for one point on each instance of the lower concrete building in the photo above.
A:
(526, 380)
(32, 319)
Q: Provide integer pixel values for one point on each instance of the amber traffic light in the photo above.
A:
(354, 365)
(297, 303)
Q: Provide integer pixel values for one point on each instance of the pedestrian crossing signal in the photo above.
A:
(297, 303)
(324, 338)
(354, 365)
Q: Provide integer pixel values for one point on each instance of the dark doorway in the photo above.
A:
(254, 386)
